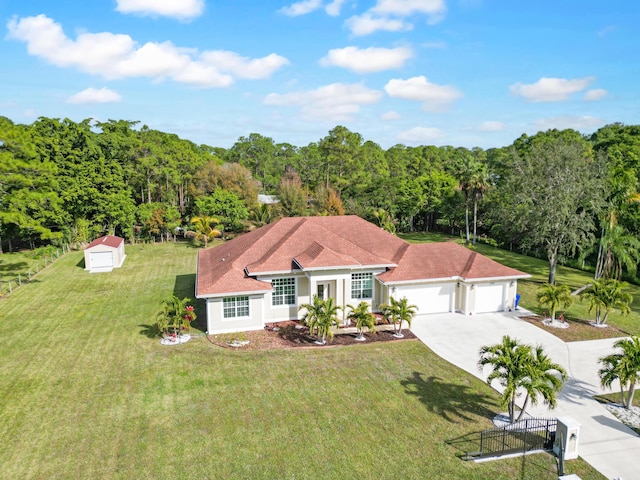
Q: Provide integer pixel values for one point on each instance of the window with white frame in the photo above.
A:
(362, 285)
(284, 291)
(236, 307)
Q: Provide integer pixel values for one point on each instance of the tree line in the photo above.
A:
(559, 195)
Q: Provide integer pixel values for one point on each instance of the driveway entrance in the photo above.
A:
(607, 444)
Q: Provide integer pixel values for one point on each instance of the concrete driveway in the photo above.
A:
(607, 444)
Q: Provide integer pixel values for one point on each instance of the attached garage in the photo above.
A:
(490, 297)
(104, 254)
(435, 298)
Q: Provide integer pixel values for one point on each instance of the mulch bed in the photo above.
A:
(284, 335)
(578, 329)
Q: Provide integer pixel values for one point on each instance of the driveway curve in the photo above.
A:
(604, 442)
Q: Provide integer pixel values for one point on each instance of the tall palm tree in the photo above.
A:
(398, 311)
(605, 296)
(623, 367)
(480, 181)
(543, 377)
(206, 228)
(554, 296)
(508, 362)
(362, 318)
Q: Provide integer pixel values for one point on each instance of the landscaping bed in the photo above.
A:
(283, 335)
(577, 330)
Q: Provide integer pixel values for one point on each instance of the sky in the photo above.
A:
(466, 73)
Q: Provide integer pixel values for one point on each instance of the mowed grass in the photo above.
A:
(539, 271)
(87, 393)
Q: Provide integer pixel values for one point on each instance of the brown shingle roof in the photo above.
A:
(331, 242)
(430, 261)
(108, 240)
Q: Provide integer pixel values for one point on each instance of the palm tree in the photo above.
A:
(398, 311)
(605, 296)
(362, 317)
(508, 363)
(479, 184)
(618, 250)
(542, 377)
(205, 228)
(320, 316)
(176, 314)
(385, 220)
(518, 368)
(623, 367)
(554, 296)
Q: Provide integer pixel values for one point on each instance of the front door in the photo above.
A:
(323, 291)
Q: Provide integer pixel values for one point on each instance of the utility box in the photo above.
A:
(567, 436)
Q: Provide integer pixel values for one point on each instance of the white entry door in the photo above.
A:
(322, 290)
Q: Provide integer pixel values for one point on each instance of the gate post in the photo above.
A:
(567, 434)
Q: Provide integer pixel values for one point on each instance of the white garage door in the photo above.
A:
(428, 298)
(101, 259)
(490, 298)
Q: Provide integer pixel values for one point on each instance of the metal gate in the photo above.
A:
(532, 434)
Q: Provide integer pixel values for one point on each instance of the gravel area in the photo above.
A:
(630, 417)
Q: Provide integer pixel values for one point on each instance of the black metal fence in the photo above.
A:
(531, 434)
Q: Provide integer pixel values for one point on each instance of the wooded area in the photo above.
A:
(558, 195)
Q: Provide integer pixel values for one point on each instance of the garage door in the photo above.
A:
(101, 260)
(490, 298)
(428, 299)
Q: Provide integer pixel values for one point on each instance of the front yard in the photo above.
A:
(87, 393)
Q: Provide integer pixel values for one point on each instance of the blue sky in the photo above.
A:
(416, 72)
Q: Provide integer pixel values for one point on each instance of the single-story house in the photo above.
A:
(265, 275)
(104, 254)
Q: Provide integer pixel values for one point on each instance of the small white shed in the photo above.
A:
(104, 254)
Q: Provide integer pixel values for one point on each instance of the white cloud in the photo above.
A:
(301, 8)
(366, 24)
(550, 89)
(433, 97)
(595, 94)
(334, 102)
(244, 67)
(367, 60)
(182, 9)
(390, 116)
(93, 95)
(563, 122)
(434, 9)
(119, 56)
(421, 135)
(491, 126)
(333, 8)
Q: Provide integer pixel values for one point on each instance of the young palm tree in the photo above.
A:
(554, 296)
(362, 318)
(398, 311)
(605, 296)
(508, 361)
(205, 228)
(519, 368)
(320, 316)
(623, 367)
(328, 318)
(543, 377)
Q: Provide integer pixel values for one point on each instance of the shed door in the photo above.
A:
(101, 259)
(428, 298)
(490, 298)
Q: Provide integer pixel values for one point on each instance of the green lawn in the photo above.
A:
(539, 271)
(86, 393)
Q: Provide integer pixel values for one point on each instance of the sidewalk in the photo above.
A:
(605, 443)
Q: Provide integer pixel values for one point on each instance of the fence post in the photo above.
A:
(10, 290)
(29, 274)
(19, 280)
(36, 267)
